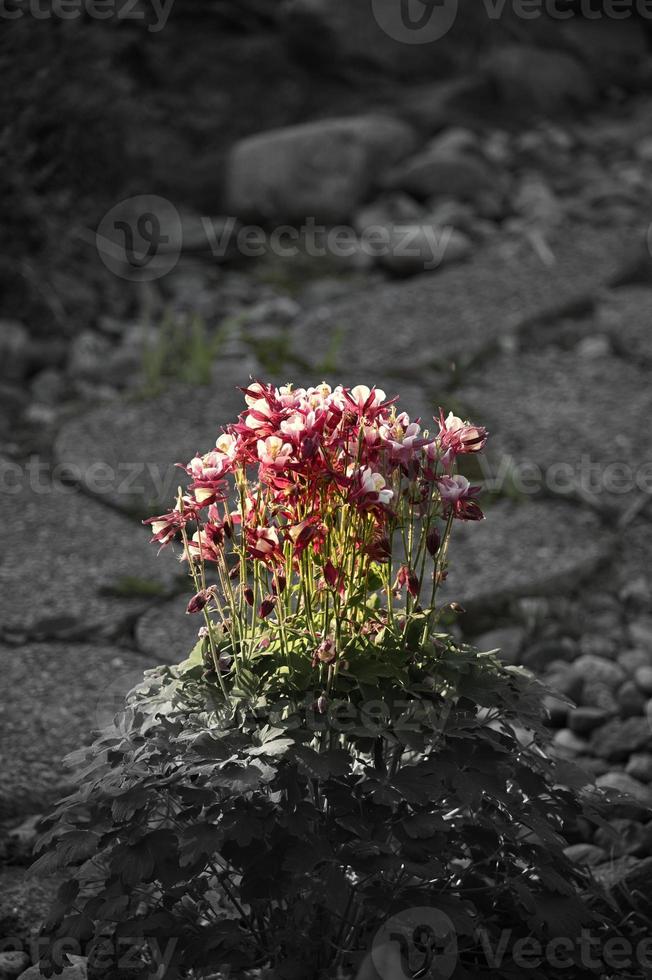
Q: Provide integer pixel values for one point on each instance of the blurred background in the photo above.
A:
(450, 199)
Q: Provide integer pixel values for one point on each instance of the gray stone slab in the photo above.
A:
(534, 548)
(581, 421)
(63, 555)
(627, 318)
(458, 312)
(53, 696)
(147, 438)
(166, 633)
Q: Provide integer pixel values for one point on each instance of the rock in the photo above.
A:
(387, 209)
(597, 694)
(596, 767)
(551, 442)
(599, 669)
(637, 593)
(423, 248)
(54, 696)
(627, 786)
(598, 645)
(49, 386)
(280, 309)
(630, 700)
(565, 682)
(324, 32)
(592, 348)
(637, 883)
(78, 971)
(631, 660)
(443, 171)
(14, 350)
(461, 313)
(435, 105)
(321, 170)
(84, 568)
(166, 633)
(531, 79)
(618, 739)
(625, 836)
(22, 839)
(627, 313)
(643, 679)
(87, 356)
(640, 767)
(611, 874)
(512, 554)
(556, 712)
(24, 901)
(507, 639)
(614, 51)
(12, 964)
(538, 656)
(568, 743)
(640, 633)
(583, 721)
(13, 403)
(587, 854)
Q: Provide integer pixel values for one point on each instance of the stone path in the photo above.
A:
(69, 566)
(59, 692)
(460, 313)
(523, 549)
(549, 357)
(571, 420)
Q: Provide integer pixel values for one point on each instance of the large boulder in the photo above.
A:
(614, 51)
(529, 78)
(322, 170)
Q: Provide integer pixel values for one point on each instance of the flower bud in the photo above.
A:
(266, 606)
(248, 593)
(199, 601)
(321, 704)
(433, 541)
(413, 583)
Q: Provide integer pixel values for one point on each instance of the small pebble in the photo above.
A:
(584, 720)
(568, 743)
(631, 701)
(640, 767)
(643, 680)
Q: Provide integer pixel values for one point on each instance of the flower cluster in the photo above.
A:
(295, 514)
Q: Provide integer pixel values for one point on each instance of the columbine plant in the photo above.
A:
(236, 817)
(318, 528)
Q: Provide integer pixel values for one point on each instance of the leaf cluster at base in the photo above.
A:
(265, 836)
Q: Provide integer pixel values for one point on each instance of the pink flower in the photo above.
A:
(370, 489)
(457, 493)
(263, 543)
(272, 451)
(458, 436)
